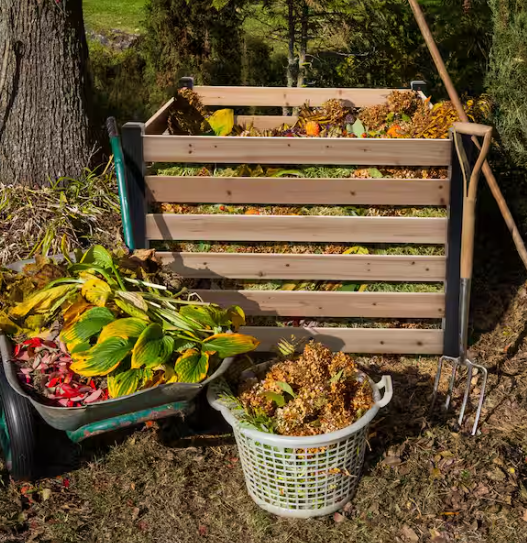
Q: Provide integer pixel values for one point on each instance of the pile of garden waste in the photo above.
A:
(313, 393)
(404, 115)
(106, 325)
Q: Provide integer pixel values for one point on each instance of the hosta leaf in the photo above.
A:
(96, 291)
(131, 310)
(75, 310)
(181, 345)
(124, 383)
(124, 328)
(153, 347)
(8, 326)
(102, 358)
(358, 128)
(42, 301)
(133, 298)
(192, 366)
(230, 344)
(99, 256)
(90, 323)
(208, 316)
(176, 321)
(222, 122)
(90, 269)
(356, 250)
(237, 316)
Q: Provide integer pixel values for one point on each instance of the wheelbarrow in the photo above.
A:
(18, 425)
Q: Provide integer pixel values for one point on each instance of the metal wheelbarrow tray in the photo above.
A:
(157, 402)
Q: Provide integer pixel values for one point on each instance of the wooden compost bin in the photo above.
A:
(148, 143)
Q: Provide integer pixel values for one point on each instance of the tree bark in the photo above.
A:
(304, 37)
(45, 131)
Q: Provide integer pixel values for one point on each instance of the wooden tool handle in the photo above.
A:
(473, 129)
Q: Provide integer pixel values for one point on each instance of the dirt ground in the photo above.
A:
(424, 479)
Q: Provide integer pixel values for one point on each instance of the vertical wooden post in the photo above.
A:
(135, 170)
(453, 272)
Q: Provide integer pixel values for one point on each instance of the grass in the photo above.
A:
(125, 15)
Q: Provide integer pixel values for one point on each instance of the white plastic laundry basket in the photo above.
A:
(301, 476)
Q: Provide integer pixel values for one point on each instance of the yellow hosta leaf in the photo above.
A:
(124, 383)
(222, 122)
(153, 347)
(75, 310)
(363, 288)
(123, 328)
(133, 298)
(237, 316)
(357, 250)
(230, 344)
(102, 358)
(288, 286)
(96, 291)
(43, 301)
(8, 326)
(192, 366)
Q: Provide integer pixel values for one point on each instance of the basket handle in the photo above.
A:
(386, 383)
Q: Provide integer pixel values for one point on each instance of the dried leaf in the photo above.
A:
(408, 534)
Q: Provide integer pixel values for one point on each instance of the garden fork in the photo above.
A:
(467, 255)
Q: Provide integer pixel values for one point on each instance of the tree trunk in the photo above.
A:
(302, 55)
(291, 39)
(44, 91)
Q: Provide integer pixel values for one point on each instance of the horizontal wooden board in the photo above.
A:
(288, 97)
(295, 228)
(265, 122)
(272, 190)
(418, 305)
(157, 124)
(355, 340)
(355, 151)
(307, 267)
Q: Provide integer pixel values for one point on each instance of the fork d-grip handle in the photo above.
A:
(469, 203)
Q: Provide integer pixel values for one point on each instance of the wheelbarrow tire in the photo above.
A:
(21, 430)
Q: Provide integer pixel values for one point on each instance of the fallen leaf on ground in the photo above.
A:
(409, 534)
(203, 530)
(337, 517)
(46, 494)
(524, 517)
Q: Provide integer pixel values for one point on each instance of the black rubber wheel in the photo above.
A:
(17, 431)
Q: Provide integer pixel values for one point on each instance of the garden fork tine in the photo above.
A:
(467, 255)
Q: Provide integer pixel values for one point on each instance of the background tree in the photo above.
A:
(44, 91)
(201, 38)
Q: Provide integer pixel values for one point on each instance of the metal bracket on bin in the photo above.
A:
(186, 83)
(419, 86)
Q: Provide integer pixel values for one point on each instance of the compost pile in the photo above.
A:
(404, 115)
(110, 324)
(314, 393)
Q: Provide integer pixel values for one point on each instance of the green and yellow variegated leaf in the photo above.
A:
(90, 323)
(99, 256)
(96, 291)
(124, 383)
(131, 310)
(178, 321)
(133, 298)
(8, 326)
(236, 316)
(230, 344)
(43, 301)
(35, 322)
(222, 122)
(102, 358)
(153, 348)
(170, 374)
(207, 316)
(192, 366)
(124, 328)
(75, 310)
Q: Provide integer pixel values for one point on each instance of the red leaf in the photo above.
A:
(66, 483)
(203, 530)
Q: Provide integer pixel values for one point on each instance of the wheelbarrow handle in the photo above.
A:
(472, 129)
